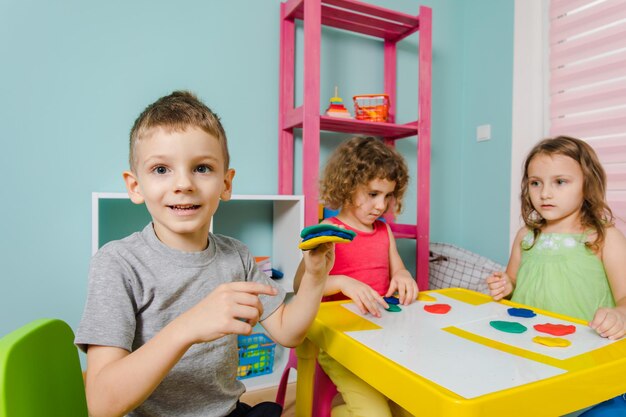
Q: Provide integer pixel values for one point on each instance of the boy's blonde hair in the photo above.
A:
(175, 113)
(595, 212)
(357, 162)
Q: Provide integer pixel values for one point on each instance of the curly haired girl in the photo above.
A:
(364, 178)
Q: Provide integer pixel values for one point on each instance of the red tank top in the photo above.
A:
(366, 258)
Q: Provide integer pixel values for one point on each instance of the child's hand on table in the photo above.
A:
(405, 286)
(500, 285)
(609, 323)
(365, 298)
(232, 308)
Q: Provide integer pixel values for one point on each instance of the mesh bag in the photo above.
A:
(451, 266)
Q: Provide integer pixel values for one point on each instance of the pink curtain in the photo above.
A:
(588, 84)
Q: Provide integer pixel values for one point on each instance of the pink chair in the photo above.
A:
(292, 362)
(323, 388)
(323, 393)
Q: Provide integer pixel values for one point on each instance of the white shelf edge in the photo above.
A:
(100, 195)
(261, 197)
(267, 197)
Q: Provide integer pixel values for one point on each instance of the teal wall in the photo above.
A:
(75, 74)
(487, 96)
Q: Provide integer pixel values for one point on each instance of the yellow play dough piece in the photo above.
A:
(425, 297)
(316, 241)
(551, 341)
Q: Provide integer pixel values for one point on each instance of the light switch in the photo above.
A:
(483, 132)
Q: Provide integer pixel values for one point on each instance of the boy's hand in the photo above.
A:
(406, 287)
(232, 308)
(609, 323)
(365, 298)
(499, 284)
(319, 261)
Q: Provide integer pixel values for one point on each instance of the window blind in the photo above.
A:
(588, 84)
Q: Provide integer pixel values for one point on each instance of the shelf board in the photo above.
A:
(403, 231)
(336, 124)
(386, 130)
(360, 18)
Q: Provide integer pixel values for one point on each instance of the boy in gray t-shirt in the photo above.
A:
(164, 305)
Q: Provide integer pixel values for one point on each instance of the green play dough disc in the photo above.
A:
(508, 326)
(393, 308)
(323, 228)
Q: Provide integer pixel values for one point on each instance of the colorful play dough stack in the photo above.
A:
(336, 108)
(313, 236)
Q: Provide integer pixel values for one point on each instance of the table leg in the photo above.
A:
(307, 354)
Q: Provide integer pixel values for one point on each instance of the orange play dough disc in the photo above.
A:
(555, 329)
(437, 308)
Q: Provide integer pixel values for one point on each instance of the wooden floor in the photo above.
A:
(269, 394)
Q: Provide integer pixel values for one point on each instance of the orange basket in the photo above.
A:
(371, 107)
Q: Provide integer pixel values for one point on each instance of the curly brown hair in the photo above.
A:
(177, 112)
(358, 161)
(595, 212)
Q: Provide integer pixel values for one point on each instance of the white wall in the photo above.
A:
(530, 93)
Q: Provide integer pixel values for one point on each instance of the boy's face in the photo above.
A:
(181, 177)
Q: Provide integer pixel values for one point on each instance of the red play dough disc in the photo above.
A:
(555, 329)
(437, 308)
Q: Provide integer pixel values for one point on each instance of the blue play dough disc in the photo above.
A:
(521, 312)
(391, 300)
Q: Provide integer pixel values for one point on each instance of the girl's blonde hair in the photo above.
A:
(357, 162)
(595, 212)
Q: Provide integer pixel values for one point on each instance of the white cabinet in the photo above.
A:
(268, 224)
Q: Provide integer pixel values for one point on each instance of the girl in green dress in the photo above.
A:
(569, 257)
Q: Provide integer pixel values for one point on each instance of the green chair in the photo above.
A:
(40, 373)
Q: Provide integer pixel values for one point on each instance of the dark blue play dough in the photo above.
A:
(521, 312)
(391, 300)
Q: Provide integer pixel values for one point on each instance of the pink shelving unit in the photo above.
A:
(391, 27)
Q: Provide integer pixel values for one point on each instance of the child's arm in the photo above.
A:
(611, 322)
(288, 323)
(502, 284)
(401, 279)
(118, 381)
(363, 296)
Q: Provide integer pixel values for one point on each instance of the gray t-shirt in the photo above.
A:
(137, 285)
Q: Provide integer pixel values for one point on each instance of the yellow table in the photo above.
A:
(479, 371)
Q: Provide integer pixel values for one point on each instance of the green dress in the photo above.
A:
(560, 274)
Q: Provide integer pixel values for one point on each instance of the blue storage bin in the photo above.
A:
(256, 355)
